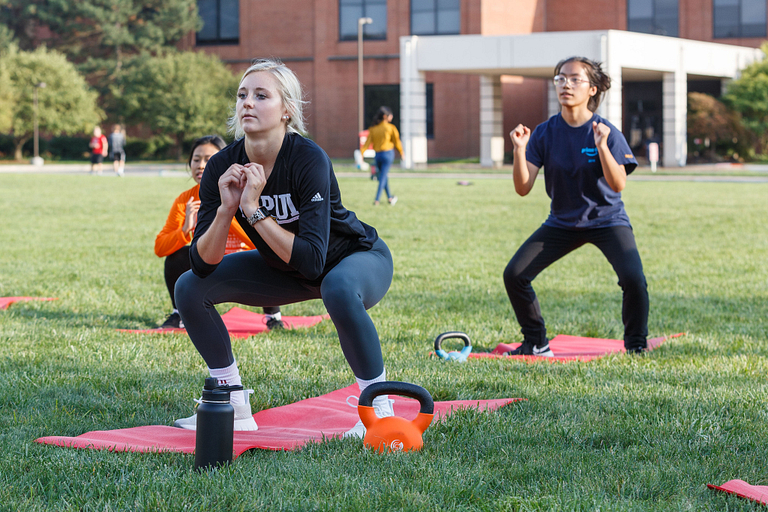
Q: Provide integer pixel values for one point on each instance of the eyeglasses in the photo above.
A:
(561, 80)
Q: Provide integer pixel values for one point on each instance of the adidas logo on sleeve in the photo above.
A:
(317, 198)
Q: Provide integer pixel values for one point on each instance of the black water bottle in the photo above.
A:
(215, 426)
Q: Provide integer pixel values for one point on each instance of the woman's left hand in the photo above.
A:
(601, 132)
(255, 181)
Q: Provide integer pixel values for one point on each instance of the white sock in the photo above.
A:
(362, 384)
(230, 376)
(276, 316)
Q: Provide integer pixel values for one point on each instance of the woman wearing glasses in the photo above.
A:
(587, 161)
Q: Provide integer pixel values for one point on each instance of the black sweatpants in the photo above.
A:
(355, 284)
(178, 263)
(547, 245)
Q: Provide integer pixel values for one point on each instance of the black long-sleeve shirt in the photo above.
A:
(303, 195)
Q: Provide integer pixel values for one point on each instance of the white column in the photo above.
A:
(553, 104)
(674, 108)
(491, 122)
(413, 105)
(610, 107)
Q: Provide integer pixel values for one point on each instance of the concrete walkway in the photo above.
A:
(718, 173)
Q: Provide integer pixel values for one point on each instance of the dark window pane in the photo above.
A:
(348, 16)
(378, 13)
(423, 23)
(430, 111)
(208, 13)
(229, 20)
(640, 9)
(422, 5)
(448, 22)
(726, 21)
(644, 25)
(447, 5)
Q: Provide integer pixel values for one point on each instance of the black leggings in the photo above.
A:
(547, 245)
(178, 263)
(356, 284)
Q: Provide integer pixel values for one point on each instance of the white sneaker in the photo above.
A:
(544, 351)
(382, 406)
(243, 418)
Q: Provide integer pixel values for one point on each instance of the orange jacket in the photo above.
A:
(171, 238)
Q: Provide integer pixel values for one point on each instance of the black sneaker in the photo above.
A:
(529, 349)
(274, 323)
(172, 322)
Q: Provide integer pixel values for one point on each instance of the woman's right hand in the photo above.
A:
(231, 185)
(190, 216)
(520, 136)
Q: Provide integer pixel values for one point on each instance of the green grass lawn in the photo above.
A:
(620, 433)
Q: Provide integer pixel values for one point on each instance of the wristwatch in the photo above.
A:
(259, 214)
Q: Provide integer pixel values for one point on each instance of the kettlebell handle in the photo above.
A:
(451, 334)
(393, 387)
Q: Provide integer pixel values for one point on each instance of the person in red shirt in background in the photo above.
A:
(173, 241)
(99, 150)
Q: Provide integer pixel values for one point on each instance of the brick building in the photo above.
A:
(318, 40)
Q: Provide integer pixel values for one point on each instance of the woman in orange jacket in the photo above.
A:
(173, 241)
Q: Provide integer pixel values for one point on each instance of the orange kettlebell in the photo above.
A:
(394, 433)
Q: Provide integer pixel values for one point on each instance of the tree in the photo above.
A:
(715, 125)
(65, 106)
(184, 95)
(100, 36)
(748, 95)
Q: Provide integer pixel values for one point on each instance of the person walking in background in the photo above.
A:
(279, 186)
(172, 243)
(117, 149)
(587, 161)
(385, 139)
(99, 148)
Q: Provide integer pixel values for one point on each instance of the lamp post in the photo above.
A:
(360, 23)
(36, 160)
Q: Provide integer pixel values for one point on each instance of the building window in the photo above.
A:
(221, 22)
(388, 95)
(653, 17)
(431, 17)
(739, 18)
(352, 10)
(430, 111)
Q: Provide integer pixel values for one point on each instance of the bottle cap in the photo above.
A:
(212, 392)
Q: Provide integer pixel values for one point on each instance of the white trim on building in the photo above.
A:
(626, 56)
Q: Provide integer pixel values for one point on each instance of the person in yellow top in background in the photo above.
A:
(173, 241)
(385, 139)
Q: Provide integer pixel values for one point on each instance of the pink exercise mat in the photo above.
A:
(281, 428)
(242, 323)
(571, 348)
(742, 489)
(7, 301)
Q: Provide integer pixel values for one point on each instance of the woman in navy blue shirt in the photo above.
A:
(586, 161)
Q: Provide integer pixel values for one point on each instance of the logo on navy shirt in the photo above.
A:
(590, 152)
(317, 198)
(282, 207)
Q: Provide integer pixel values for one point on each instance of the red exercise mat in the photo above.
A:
(7, 301)
(742, 489)
(281, 428)
(241, 323)
(572, 348)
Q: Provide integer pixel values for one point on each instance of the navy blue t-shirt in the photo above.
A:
(573, 176)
